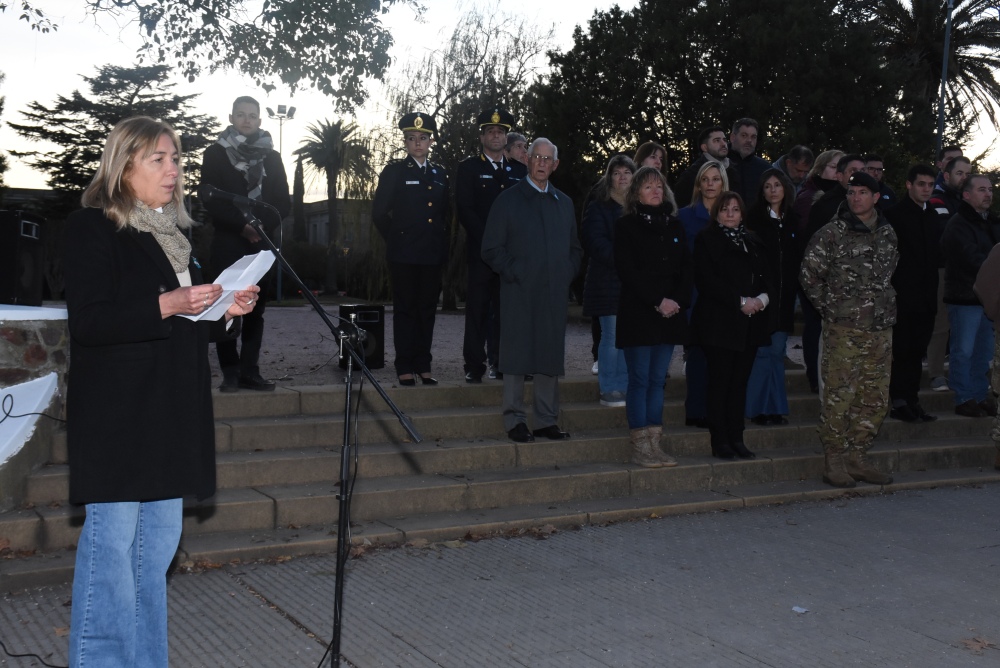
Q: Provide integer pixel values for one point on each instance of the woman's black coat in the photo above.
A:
(601, 286)
(723, 273)
(653, 263)
(139, 405)
(781, 244)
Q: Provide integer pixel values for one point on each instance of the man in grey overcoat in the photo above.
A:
(531, 241)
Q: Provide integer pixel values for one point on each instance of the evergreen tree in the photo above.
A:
(79, 124)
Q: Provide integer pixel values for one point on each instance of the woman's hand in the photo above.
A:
(752, 305)
(668, 308)
(245, 301)
(188, 301)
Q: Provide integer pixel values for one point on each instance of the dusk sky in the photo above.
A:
(42, 66)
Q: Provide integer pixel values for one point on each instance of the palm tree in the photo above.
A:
(334, 149)
(913, 34)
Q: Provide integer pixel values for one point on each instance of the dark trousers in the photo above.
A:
(482, 318)
(415, 290)
(728, 373)
(244, 360)
(595, 334)
(811, 330)
(910, 336)
(696, 379)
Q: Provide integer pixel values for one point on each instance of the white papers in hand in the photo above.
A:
(248, 270)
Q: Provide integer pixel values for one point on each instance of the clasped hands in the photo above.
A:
(196, 299)
(668, 308)
(751, 305)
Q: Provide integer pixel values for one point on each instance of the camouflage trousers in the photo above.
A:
(855, 370)
(995, 388)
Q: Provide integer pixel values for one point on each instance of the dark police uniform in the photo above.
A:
(478, 183)
(411, 210)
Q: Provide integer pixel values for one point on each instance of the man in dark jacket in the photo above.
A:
(531, 241)
(480, 179)
(744, 160)
(875, 167)
(243, 161)
(916, 283)
(712, 142)
(945, 200)
(796, 165)
(966, 242)
(847, 273)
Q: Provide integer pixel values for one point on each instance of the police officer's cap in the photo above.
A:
(419, 122)
(496, 116)
(864, 180)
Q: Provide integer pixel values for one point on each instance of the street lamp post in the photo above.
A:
(285, 113)
(944, 76)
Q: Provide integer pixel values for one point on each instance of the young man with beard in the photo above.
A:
(243, 161)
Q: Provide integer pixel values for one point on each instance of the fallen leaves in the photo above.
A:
(976, 644)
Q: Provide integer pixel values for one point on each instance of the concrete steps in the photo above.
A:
(278, 460)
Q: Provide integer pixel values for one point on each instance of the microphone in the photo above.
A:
(210, 193)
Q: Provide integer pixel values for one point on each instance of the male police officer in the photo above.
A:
(480, 179)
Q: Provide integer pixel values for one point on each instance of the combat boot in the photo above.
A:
(642, 453)
(860, 468)
(655, 431)
(836, 474)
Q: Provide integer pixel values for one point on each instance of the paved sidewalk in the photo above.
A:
(909, 579)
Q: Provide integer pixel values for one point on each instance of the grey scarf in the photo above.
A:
(163, 227)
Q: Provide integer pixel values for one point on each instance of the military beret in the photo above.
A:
(864, 180)
(496, 116)
(419, 122)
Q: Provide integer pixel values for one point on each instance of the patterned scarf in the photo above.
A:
(246, 155)
(163, 227)
(735, 234)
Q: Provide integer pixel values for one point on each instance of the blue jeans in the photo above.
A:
(119, 615)
(969, 352)
(647, 371)
(612, 375)
(766, 394)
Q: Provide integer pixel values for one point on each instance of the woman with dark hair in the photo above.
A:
(651, 154)
(710, 182)
(771, 218)
(601, 286)
(653, 263)
(140, 432)
(730, 272)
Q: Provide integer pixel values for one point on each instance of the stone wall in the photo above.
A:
(31, 349)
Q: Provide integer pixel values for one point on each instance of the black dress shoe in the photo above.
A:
(474, 379)
(552, 432)
(742, 451)
(970, 409)
(256, 382)
(701, 423)
(427, 380)
(777, 419)
(922, 414)
(520, 434)
(407, 382)
(761, 419)
(723, 451)
(904, 413)
(230, 383)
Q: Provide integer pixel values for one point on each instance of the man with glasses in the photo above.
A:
(531, 242)
(875, 167)
(712, 142)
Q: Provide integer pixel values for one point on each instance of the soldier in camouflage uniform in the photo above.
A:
(846, 274)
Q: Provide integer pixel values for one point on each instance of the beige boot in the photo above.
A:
(642, 454)
(655, 432)
(861, 469)
(836, 474)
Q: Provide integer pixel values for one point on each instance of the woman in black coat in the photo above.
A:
(140, 429)
(731, 274)
(772, 219)
(654, 267)
(601, 286)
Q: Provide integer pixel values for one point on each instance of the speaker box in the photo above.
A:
(22, 255)
(371, 318)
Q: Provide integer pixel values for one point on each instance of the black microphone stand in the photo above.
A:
(351, 339)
